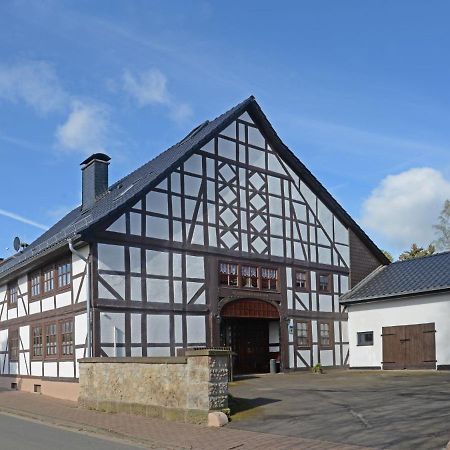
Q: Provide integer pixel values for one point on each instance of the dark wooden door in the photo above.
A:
(249, 340)
(409, 347)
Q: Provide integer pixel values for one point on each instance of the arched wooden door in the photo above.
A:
(247, 326)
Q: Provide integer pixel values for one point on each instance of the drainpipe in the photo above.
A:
(89, 294)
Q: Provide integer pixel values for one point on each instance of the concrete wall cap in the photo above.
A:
(137, 360)
(207, 352)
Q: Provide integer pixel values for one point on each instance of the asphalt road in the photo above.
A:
(394, 410)
(22, 434)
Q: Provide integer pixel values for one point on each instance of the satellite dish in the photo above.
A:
(17, 243)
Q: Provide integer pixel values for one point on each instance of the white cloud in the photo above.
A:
(403, 208)
(150, 88)
(85, 130)
(35, 83)
(147, 88)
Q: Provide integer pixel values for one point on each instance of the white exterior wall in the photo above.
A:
(30, 313)
(374, 316)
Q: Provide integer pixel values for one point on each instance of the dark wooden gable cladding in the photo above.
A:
(409, 347)
(250, 308)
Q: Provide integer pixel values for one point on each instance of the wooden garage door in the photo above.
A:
(409, 347)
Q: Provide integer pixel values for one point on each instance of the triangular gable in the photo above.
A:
(228, 194)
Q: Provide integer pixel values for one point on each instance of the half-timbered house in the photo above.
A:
(225, 239)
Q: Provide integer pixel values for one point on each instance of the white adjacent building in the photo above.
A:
(398, 317)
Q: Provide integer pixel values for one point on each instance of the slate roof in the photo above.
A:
(126, 191)
(403, 278)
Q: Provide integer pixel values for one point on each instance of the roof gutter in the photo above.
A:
(88, 262)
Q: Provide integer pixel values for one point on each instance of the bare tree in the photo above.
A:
(442, 228)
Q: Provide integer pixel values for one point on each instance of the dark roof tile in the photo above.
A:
(403, 278)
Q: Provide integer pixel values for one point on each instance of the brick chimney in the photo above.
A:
(95, 178)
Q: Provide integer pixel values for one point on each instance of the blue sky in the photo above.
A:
(359, 90)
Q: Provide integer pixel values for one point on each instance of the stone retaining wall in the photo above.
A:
(176, 388)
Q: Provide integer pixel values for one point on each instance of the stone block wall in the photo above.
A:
(176, 388)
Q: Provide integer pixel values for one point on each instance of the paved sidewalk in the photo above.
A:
(154, 433)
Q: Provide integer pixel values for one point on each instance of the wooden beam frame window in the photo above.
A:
(228, 274)
(37, 344)
(53, 340)
(324, 282)
(304, 335)
(64, 272)
(326, 335)
(51, 280)
(13, 294)
(13, 344)
(302, 280)
(248, 276)
(67, 339)
(269, 279)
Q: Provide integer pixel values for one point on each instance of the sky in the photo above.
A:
(358, 90)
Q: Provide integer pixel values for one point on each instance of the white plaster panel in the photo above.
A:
(66, 369)
(117, 282)
(112, 327)
(119, 226)
(136, 351)
(374, 316)
(136, 328)
(158, 351)
(178, 323)
(12, 313)
(315, 354)
(326, 357)
(3, 340)
(157, 202)
(63, 299)
(136, 288)
(14, 368)
(135, 259)
(314, 330)
(325, 303)
(157, 262)
(135, 223)
(158, 291)
(337, 352)
(23, 363)
(195, 267)
(78, 265)
(25, 337)
(157, 228)
(50, 369)
(48, 304)
(36, 368)
(196, 329)
(34, 307)
(80, 329)
(158, 329)
(21, 308)
(111, 257)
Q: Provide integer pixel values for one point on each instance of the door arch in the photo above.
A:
(251, 327)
